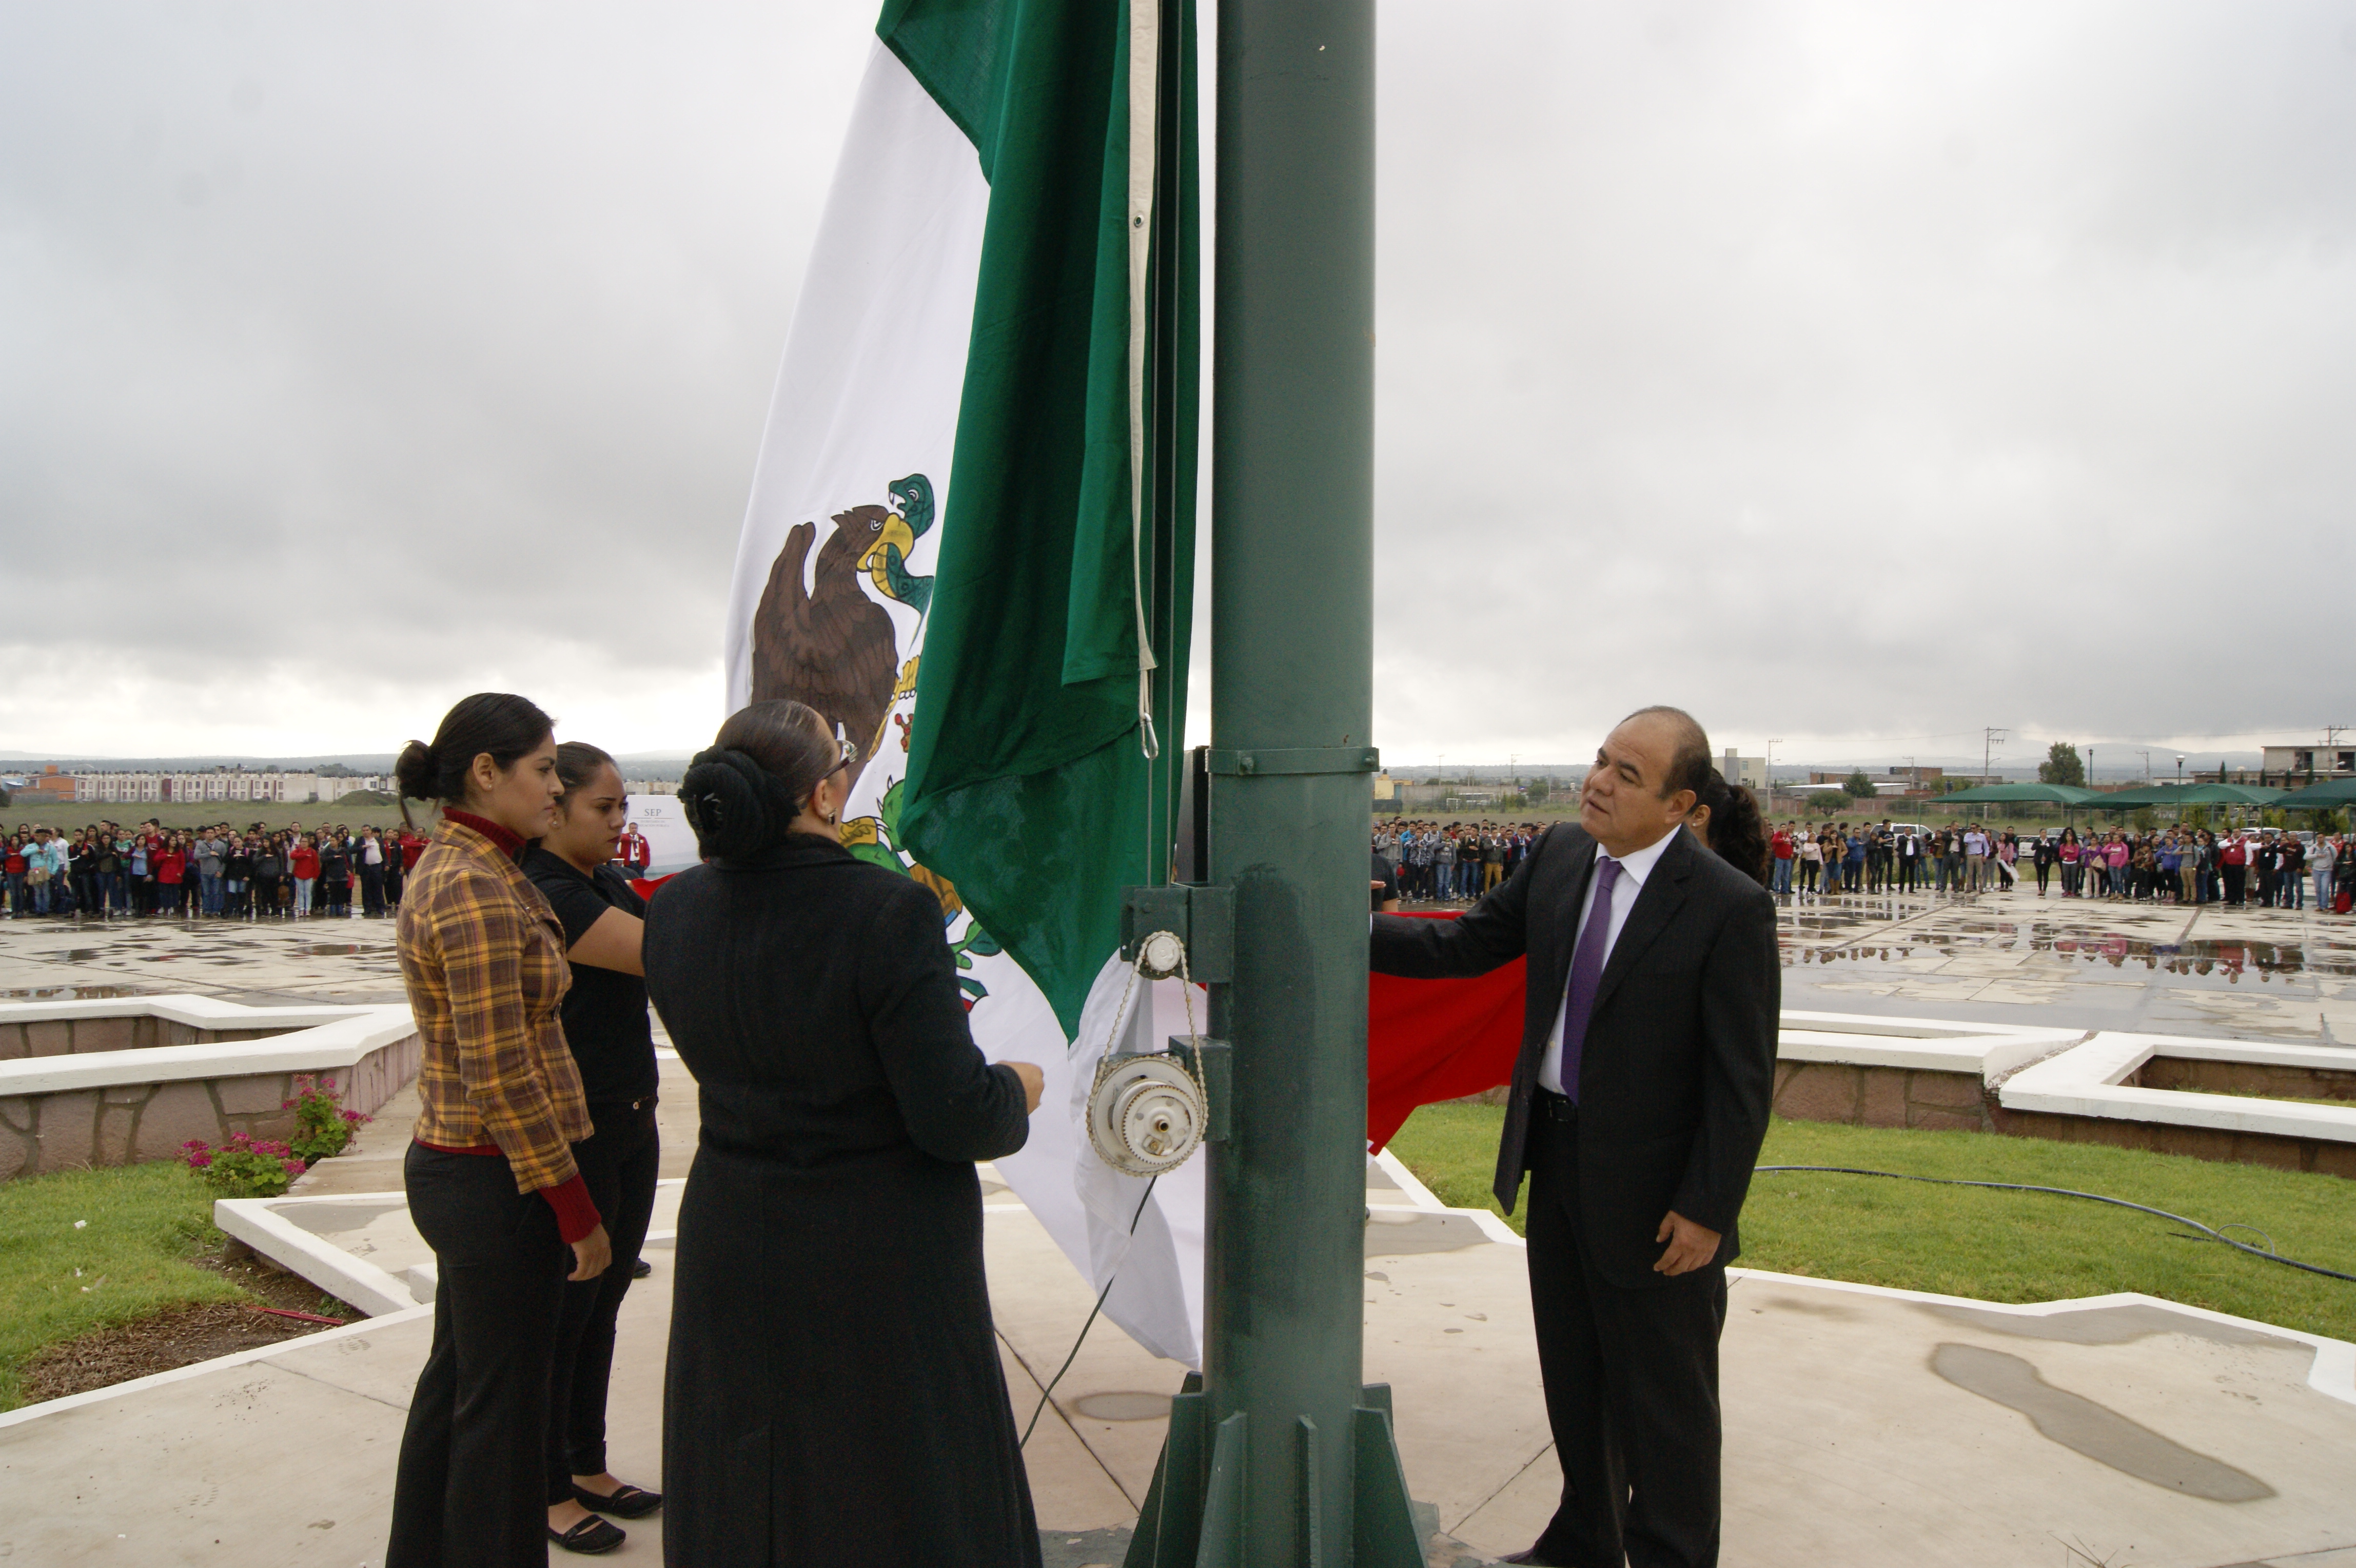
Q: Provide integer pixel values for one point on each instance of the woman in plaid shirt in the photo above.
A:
(490, 1177)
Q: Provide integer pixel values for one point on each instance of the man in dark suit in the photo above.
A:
(1639, 1103)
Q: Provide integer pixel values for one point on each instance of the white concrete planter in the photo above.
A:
(120, 1081)
(2090, 1081)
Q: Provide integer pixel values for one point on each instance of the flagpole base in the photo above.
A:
(1195, 1510)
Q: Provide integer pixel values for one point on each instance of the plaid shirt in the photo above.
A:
(484, 958)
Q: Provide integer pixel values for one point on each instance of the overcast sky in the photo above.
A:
(1859, 375)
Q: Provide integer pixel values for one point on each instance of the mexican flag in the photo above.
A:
(970, 542)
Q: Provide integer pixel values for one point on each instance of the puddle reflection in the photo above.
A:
(2048, 949)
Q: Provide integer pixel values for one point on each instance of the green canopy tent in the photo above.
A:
(2232, 794)
(2015, 794)
(2141, 795)
(2069, 797)
(2325, 797)
(2176, 797)
(2173, 795)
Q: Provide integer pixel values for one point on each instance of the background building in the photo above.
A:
(2309, 757)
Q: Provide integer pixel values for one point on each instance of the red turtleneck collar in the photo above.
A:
(510, 844)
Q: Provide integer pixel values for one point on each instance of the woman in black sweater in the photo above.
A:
(606, 1028)
(832, 1375)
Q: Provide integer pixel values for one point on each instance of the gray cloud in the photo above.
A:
(1843, 372)
(1855, 371)
(357, 356)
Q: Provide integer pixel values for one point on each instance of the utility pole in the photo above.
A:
(1988, 737)
(1279, 1456)
(1772, 742)
(2146, 767)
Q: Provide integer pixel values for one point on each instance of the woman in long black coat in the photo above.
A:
(834, 1391)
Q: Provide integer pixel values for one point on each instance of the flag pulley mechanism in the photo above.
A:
(1161, 955)
(1146, 1114)
(1150, 1111)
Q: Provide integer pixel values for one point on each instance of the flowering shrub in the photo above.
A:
(321, 1126)
(243, 1167)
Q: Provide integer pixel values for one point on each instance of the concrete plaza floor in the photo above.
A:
(1863, 1426)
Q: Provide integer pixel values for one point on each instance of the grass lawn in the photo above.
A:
(144, 1225)
(1995, 1246)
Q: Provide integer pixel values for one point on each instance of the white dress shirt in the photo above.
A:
(1633, 869)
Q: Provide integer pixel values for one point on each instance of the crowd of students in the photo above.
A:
(1457, 862)
(2264, 866)
(1866, 857)
(107, 870)
(2188, 865)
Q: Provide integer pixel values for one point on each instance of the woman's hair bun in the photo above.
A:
(413, 770)
(736, 807)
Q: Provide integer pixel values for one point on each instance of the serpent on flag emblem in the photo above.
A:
(970, 542)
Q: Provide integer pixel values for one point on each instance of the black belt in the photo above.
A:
(1548, 1106)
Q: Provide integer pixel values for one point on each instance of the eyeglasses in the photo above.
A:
(849, 755)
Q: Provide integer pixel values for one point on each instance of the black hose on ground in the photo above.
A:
(2090, 1196)
(1049, 1391)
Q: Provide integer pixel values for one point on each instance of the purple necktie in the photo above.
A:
(1587, 973)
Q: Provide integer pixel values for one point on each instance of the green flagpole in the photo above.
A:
(1279, 1456)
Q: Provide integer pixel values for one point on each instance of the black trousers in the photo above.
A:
(468, 1492)
(371, 889)
(1631, 1387)
(619, 1164)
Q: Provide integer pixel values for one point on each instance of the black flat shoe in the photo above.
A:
(590, 1537)
(640, 1268)
(627, 1501)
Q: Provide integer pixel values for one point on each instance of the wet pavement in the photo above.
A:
(2000, 958)
(2013, 958)
(258, 962)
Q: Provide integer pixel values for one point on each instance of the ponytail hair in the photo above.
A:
(742, 795)
(1736, 832)
(500, 724)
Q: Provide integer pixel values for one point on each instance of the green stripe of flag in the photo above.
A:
(1027, 784)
